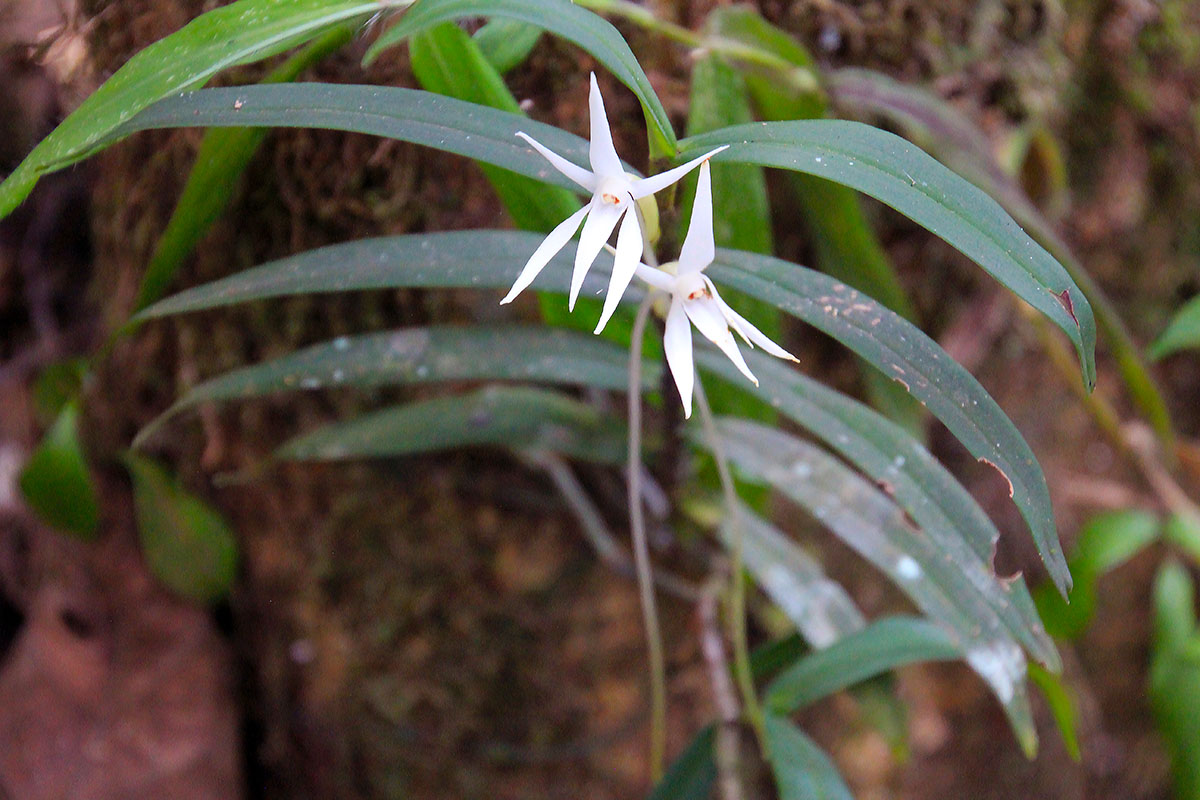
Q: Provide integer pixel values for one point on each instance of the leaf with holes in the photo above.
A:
(492, 259)
(906, 472)
(951, 593)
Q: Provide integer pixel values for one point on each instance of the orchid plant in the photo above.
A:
(922, 529)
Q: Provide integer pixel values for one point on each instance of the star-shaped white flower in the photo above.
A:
(695, 298)
(614, 191)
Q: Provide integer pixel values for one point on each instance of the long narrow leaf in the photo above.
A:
(692, 774)
(447, 61)
(1181, 334)
(239, 33)
(456, 126)
(459, 259)
(908, 356)
(505, 43)
(512, 418)
(817, 605)
(561, 17)
(895, 172)
(426, 355)
(868, 521)
(222, 158)
(882, 646)
(843, 243)
(491, 260)
(926, 118)
(802, 770)
(908, 473)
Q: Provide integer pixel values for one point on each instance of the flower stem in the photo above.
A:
(641, 551)
(737, 589)
(803, 78)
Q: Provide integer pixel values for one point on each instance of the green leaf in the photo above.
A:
(952, 593)
(454, 260)
(893, 171)
(933, 123)
(1110, 539)
(222, 158)
(56, 482)
(516, 418)
(560, 17)
(446, 61)
(802, 770)
(1105, 542)
(57, 385)
(741, 212)
(1063, 707)
(911, 358)
(468, 129)
(692, 774)
(1174, 608)
(789, 85)
(1175, 700)
(1183, 531)
(916, 481)
(883, 645)
(188, 546)
(845, 246)
(239, 33)
(491, 260)
(818, 606)
(505, 43)
(1182, 334)
(427, 355)
(1175, 675)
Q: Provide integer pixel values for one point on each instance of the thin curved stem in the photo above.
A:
(641, 551)
(737, 589)
(805, 78)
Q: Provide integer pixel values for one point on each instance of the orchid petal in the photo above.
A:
(605, 161)
(599, 226)
(545, 251)
(746, 329)
(629, 250)
(656, 277)
(677, 344)
(644, 187)
(572, 171)
(707, 317)
(699, 247)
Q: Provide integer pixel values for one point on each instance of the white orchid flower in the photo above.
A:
(695, 298)
(614, 191)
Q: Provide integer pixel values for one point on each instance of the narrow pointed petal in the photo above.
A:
(677, 344)
(656, 277)
(699, 247)
(572, 171)
(625, 263)
(706, 315)
(599, 226)
(544, 252)
(750, 333)
(644, 187)
(604, 158)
